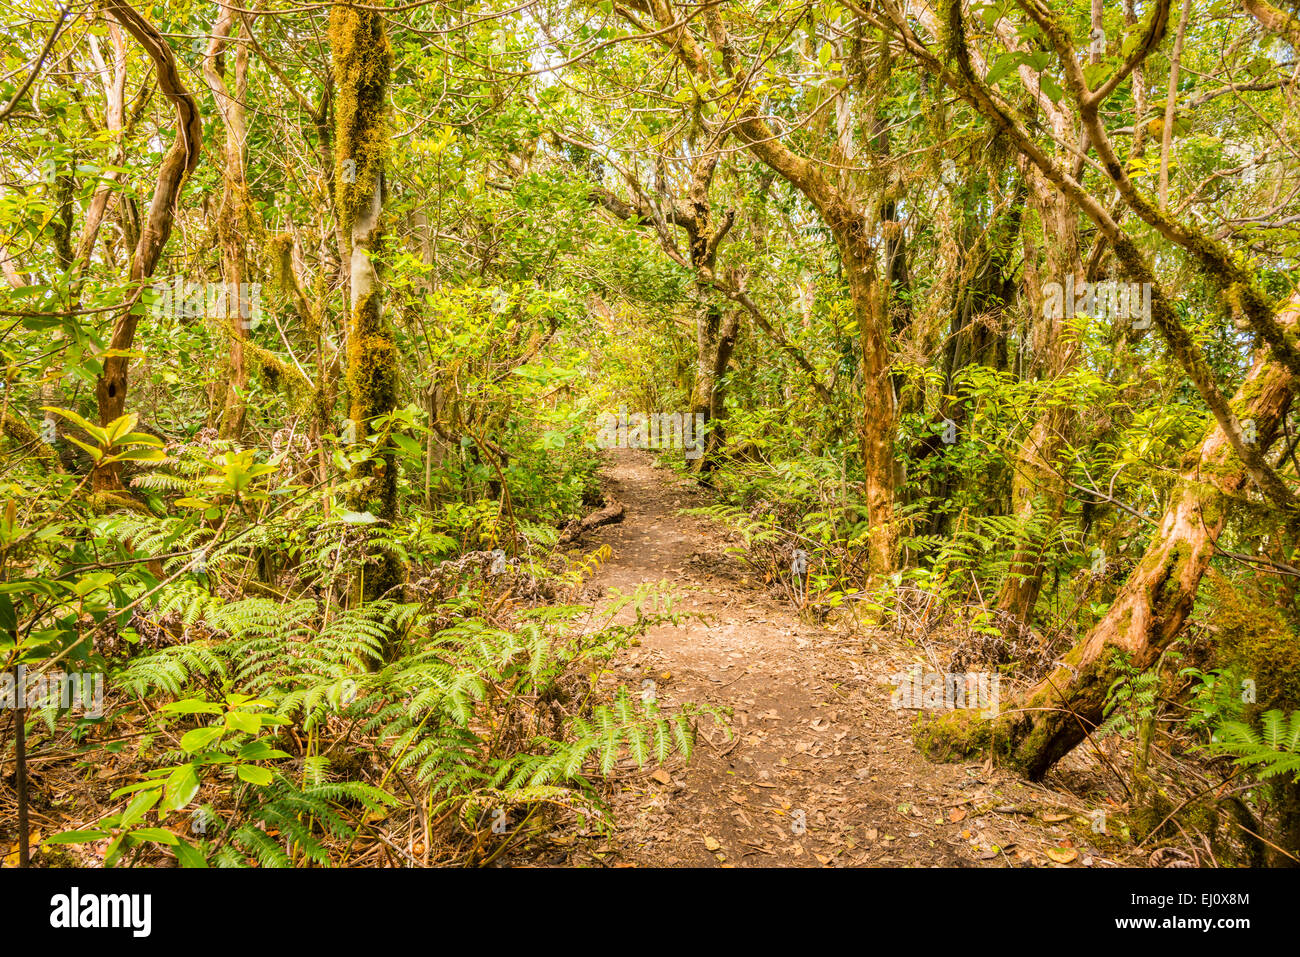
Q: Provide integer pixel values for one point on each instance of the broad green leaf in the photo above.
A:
(157, 834)
(181, 786)
(199, 738)
(254, 775)
(138, 808)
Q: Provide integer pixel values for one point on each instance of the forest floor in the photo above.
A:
(821, 769)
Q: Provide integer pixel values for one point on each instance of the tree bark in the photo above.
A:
(181, 158)
(362, 61)
(1285, 25)
(232, 219)
(1037, 490)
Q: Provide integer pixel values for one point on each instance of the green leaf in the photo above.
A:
(1051, 88)
(76, 837)
(182, 784)
(138, 808)
(1095, 73)
(114, 852)
(94, 452)
(192, 706)
(408, 444)
(140, 455)
(94, 431)
(254, 775)
(259, 751)
(120, 426)
(199, 738)
(1003, 65)
(243, 721)
(157, 834)
(187, 855)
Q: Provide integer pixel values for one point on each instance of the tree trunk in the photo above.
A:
(1048, 720)
(363, 61)
(1037, 490)
(715, 340)
(878, 401)
(1276, 20)
(232, 220)
(111, 385)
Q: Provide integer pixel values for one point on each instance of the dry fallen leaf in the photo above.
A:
(662, 776)
(957, 814)
(1056, 818)
(712, 844)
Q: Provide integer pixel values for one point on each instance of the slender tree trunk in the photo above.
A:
(708, 325)
(715, 341)
(111, 385)
(233, 217)
(878, 400)
(1037, 490)
(363, 62)
(1171, 104)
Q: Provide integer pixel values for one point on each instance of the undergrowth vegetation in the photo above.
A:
(309, 314)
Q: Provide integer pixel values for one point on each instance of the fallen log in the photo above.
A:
(610, 513)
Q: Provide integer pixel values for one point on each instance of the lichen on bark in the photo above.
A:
(362, 62)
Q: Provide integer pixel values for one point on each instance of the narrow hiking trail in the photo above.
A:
(822, 770)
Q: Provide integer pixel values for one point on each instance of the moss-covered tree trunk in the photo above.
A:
(708, 324)
(715, 338)
(868, 296)
(1151, 608)
(715, 341)
(363, 59)
(1276, 20)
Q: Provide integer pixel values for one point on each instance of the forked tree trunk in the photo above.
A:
(1044, 724)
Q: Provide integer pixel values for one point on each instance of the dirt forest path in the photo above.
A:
(822, 770)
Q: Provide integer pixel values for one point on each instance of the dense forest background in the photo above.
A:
(310, 311)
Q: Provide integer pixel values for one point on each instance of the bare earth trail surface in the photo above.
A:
(822, 770)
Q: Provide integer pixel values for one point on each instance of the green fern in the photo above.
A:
(1270, 751)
